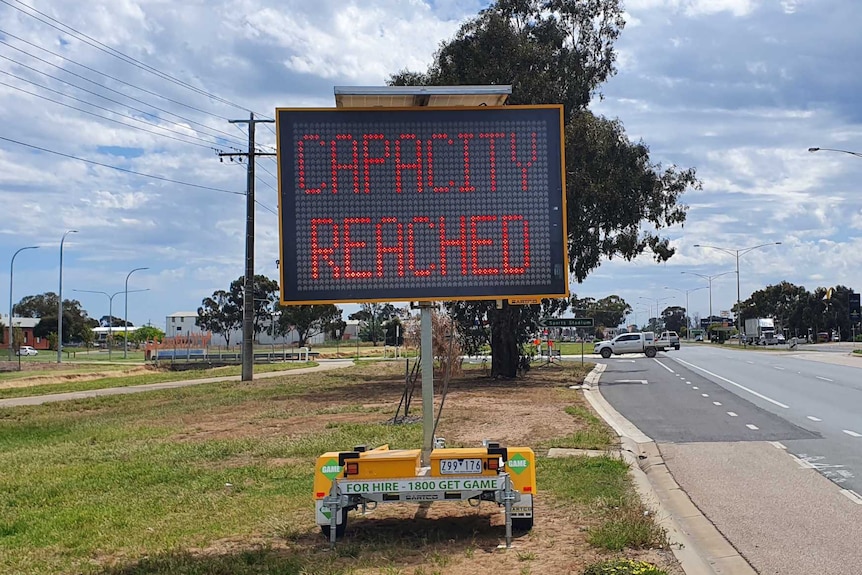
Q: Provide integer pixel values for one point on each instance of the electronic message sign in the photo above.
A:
(413, 204)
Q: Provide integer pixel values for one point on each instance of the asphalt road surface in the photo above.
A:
(702, 394)
(767, 444)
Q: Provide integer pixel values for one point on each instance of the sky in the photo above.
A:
(738, 89)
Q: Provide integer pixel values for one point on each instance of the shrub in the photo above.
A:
(623, 567)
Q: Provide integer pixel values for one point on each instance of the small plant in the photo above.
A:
(623, 567)
(526, 556)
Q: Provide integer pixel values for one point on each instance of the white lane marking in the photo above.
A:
(851, 433)
(688, 383)
(823, 378)
(750, 362)
(751, 426)
(716, 403)
(643, 381)
(705, 394)
(664, 366)
(742, 387)
(778, 368)
(852, 495)
(695, 387)
(777, 445)
(731, 414)
(812, 418)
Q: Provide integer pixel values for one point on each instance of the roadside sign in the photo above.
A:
(566, 322)
(421, 204)
(855, 311)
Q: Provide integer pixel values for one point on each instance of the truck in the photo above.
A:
(635, 342)
(760, 331)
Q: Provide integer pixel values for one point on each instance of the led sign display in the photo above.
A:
(412, 204)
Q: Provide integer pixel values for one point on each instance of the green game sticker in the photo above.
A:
(331, 469)
(518, 463)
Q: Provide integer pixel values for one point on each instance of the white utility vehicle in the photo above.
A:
(636, 342)
(668, 339)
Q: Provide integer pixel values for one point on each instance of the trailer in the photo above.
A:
(364, 478)
(760, 331)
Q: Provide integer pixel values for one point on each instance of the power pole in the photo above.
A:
(248, 287)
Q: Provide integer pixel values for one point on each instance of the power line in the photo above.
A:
(207, 142)
(114, 78)
(161, 178)
(189, 120)
(116, 53)
(206, 145)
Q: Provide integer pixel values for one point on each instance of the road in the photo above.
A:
(705, 394)
(767, 444)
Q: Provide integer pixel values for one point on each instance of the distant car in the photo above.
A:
(698, 337)
(780, 338)
(670, 338)
(27, 350)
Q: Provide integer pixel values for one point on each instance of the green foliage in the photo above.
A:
(375, 318)
(44, 306)
(219, 314)
(147, 333)
(307, 320)
(795, 309)
(623, 567)
(561, 51)
(674, 319)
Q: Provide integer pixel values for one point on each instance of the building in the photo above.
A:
(181, 323)
(27, 325)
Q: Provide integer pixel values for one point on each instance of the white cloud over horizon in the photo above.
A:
(735, 88)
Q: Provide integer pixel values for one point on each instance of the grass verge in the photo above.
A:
(216, 479)
(602, 485)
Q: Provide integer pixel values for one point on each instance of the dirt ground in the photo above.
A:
(450, 538)
(44, 373)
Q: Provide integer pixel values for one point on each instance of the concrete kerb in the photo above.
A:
(696, 543)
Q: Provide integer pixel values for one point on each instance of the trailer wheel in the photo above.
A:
(339, 529)
(606, 352)
(650, 352)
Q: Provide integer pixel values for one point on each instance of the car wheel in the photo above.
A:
(606, 352)
(676, 347)
(650, 352)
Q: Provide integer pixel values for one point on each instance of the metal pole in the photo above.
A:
(248, 288)
(60, 304)
(11, 269)
(739, 327)
(126, 315)
(427, 384)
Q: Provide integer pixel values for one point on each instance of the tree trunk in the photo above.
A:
(504, 341)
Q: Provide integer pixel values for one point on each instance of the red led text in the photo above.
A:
(457, 246)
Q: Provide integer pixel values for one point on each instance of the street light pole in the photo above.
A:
(709, 283)
(738, 252)
(110, 311)
(60, 304)
(687, 314)
(657, 301)
(126, 315)
(857, 154)
(11, 270)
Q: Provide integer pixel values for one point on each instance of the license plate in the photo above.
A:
(460, 466)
